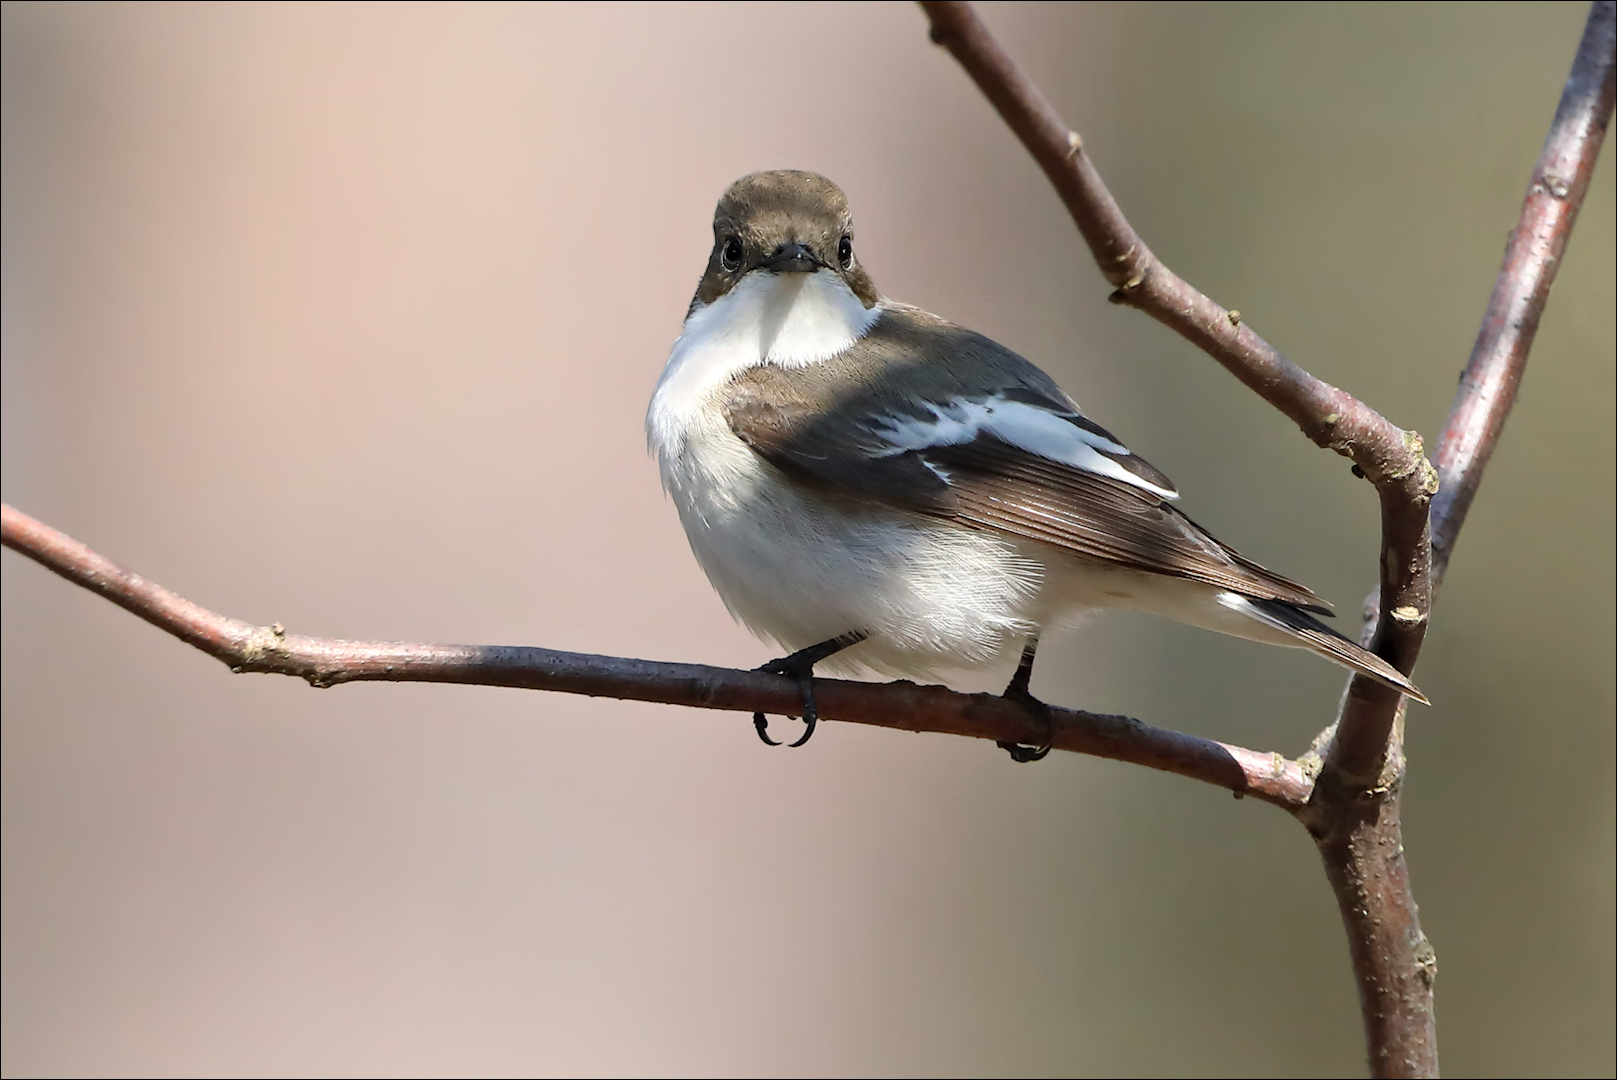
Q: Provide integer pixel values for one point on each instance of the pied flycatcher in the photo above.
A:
(863, 479)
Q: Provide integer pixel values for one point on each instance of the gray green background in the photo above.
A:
(346, 316)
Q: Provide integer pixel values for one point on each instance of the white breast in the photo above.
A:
(792, 566)
(788, 319)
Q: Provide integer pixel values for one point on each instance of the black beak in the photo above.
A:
(793, 258)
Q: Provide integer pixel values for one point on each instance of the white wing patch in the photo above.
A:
(1027, 427)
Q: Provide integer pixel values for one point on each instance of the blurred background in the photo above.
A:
(346, 316)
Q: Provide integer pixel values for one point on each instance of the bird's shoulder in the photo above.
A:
(908, 357)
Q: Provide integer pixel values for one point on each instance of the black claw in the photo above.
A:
(760, 724)
(808, 718)
(800, 666)
(1024, 754)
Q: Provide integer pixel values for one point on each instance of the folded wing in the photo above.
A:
(931, 418)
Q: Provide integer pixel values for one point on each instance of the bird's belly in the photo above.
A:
(799, 566)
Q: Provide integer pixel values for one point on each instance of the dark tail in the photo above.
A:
(1331, 645)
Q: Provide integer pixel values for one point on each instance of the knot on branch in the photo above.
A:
(1385, 462)
(1123, 294)
(262, 645)
(1340, 801)
(1408, 615)
(1425, 958)
(1415, 461)
(1554, 185)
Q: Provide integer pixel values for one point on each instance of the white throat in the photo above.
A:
(792, 320)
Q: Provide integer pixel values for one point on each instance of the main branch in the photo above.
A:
(906, 706)
(1358, 828)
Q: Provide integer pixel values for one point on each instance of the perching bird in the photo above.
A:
(862, 478)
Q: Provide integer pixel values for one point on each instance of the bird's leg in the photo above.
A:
(800, 666)
(1018, 686)
(1018, 691)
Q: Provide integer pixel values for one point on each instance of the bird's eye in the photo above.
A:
(845, 253)
(730, 254)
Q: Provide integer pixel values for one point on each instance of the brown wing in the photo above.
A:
(832, 425)
(998, 486)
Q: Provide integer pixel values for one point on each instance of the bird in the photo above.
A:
(868, 485)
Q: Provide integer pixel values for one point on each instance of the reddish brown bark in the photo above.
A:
(1532, 257)
(906, 706)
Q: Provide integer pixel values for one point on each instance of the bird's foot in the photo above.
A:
(800, 666)
(1018, 692)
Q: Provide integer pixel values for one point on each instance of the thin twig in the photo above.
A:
(245, 647)
(1555, 194)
